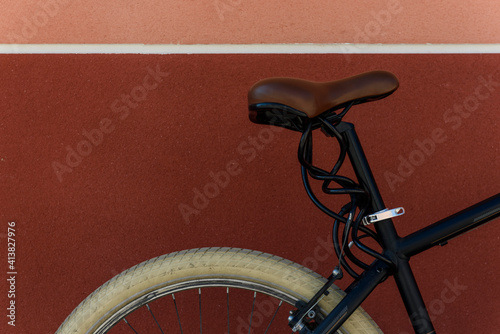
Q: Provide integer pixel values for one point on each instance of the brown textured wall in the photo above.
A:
(151, 129)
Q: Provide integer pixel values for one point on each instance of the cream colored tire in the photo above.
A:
(198, 268)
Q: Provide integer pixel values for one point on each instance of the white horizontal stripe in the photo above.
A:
(247, 48)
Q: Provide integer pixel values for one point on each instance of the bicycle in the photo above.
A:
(280, 292)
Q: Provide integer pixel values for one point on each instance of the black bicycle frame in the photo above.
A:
(398, 249)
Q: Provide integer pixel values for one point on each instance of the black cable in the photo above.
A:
(352, 224)
(338, 251)
(365, 248)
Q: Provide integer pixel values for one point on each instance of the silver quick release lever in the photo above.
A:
(382, 215)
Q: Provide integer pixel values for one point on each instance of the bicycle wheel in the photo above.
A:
(203, 290)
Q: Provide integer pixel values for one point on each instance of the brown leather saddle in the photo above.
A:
(294, 103)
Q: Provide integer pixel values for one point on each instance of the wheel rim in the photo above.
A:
(145, 298)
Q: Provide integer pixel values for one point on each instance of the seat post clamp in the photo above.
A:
(383, 215)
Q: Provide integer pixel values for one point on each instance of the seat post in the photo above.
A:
(385, 229)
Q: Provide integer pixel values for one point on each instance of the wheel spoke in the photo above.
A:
(177, 311)
(159, 327)
(227, 293)
(129, 325)
(251, 314)
(199, 299)
(281, 302)
(183, 275)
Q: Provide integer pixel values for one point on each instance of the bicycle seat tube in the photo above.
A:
(403, 274)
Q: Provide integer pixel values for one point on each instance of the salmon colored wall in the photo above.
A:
(244, 21)
(119, 205)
